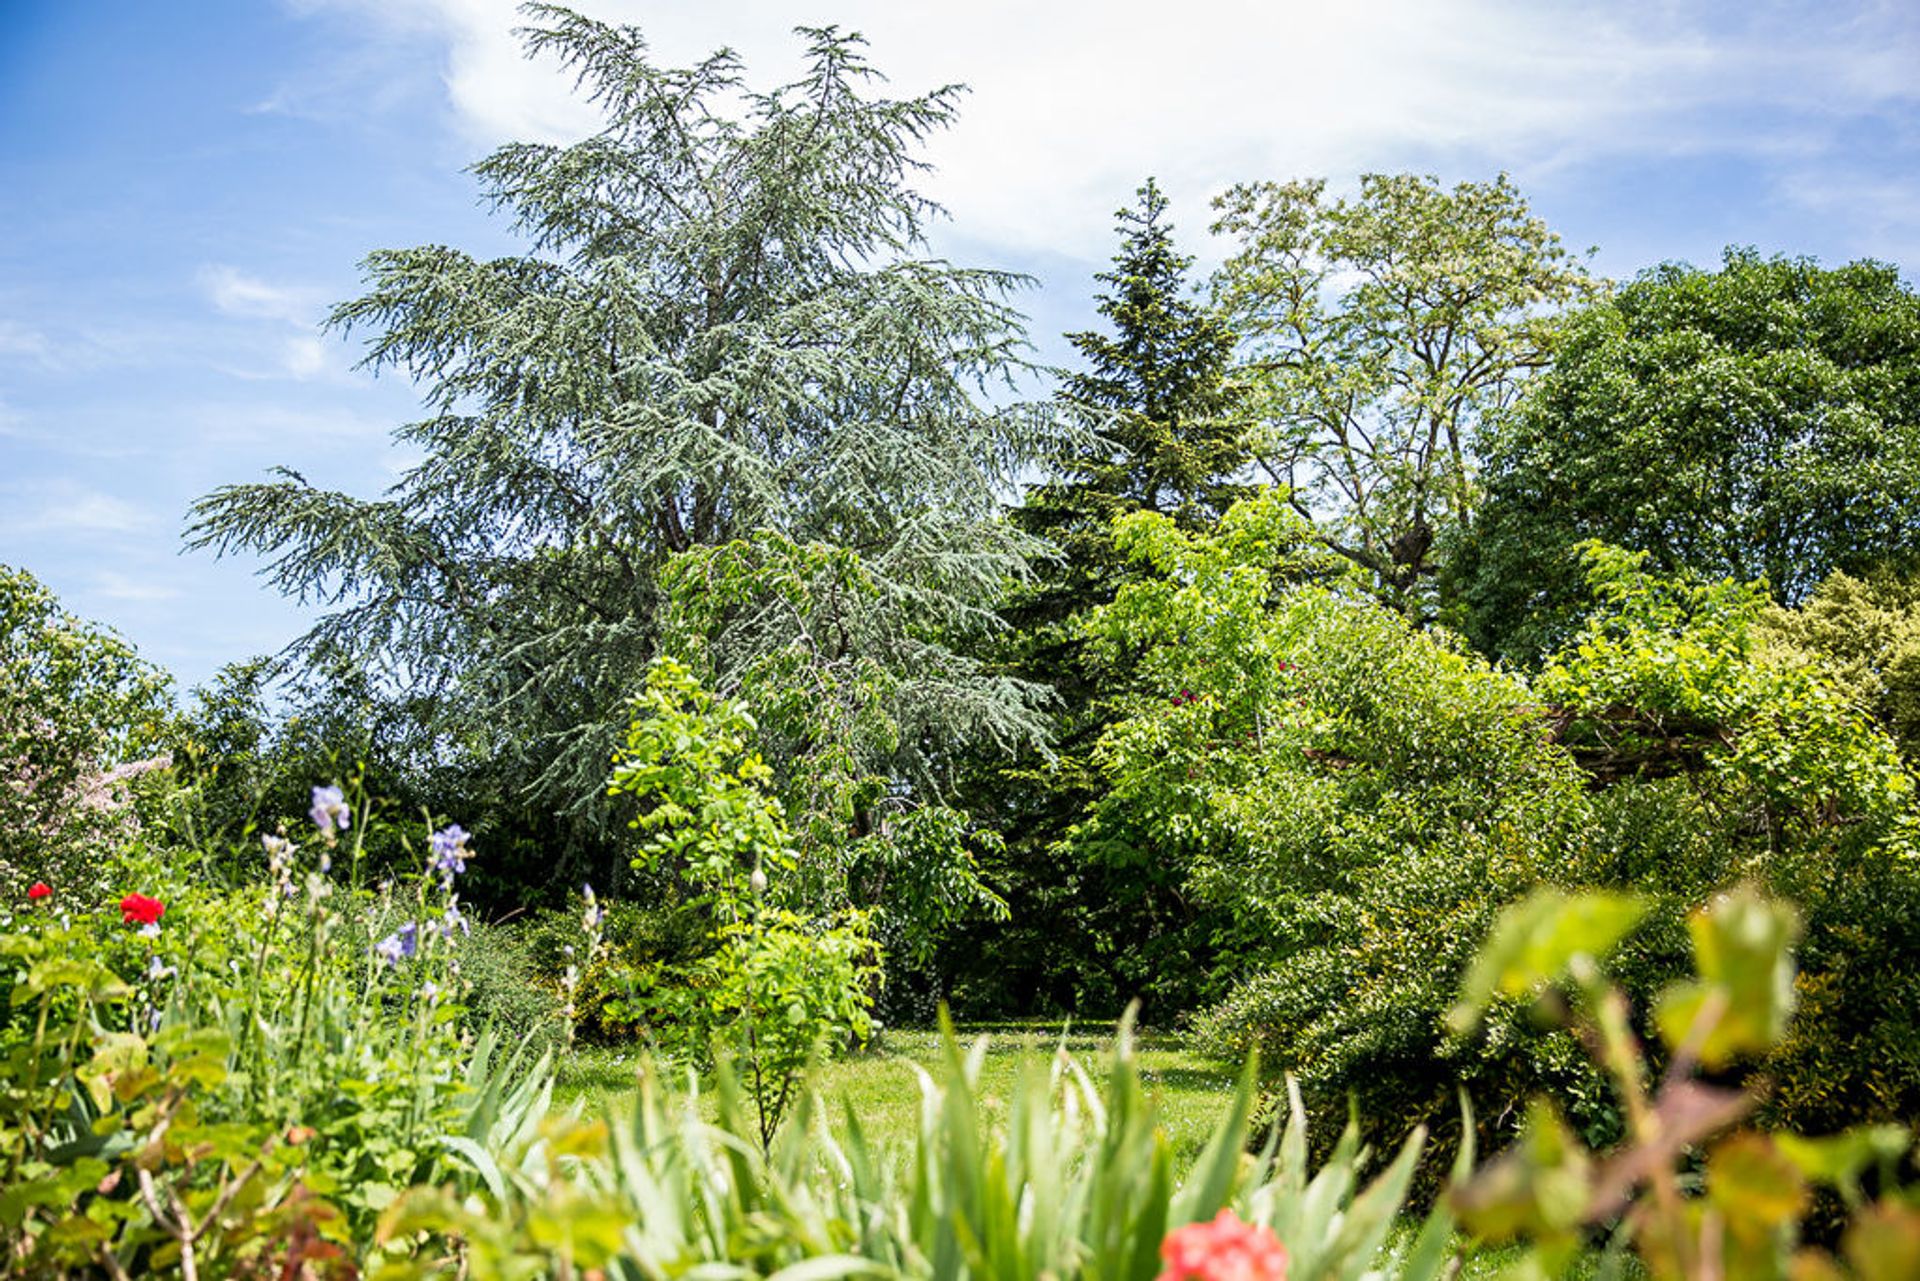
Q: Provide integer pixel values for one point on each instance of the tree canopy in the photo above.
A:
(1384, 333)
(78, 711)
(1761, 421)
(1157, 384)
(726, 322)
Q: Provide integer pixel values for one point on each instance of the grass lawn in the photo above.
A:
(882, 1087)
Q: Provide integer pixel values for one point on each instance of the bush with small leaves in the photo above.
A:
(781, 985)
(84, 725)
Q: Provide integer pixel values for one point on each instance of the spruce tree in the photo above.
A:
(1158, 389)
(1091, 926)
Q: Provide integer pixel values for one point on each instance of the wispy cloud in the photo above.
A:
(69, 508)
(235, 293)
(110, 584)
(296, 349)
(227, 424)
(20, 341)
(1074, 102)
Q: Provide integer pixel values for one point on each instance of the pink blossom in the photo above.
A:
(1223, 1250)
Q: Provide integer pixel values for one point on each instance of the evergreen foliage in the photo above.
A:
(1172, 427)
(722, 324)
(1171, 440)
(1865, 633)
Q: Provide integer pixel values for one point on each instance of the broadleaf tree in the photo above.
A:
(1384, 332)
(1758, 421)
(81, 717)
(726, 320)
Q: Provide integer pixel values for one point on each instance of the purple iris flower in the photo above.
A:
(449, 851)
(330, 810)
(399, 945)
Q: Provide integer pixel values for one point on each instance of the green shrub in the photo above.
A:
(1865, 634)
(1360, 797)
(620, 987)
(780, 985)
(83, 729)
(502, 992)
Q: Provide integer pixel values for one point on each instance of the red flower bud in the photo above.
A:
(39, 890)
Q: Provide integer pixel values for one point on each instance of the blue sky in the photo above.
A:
(185, 189)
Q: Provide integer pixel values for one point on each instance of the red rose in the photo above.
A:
(39, 890)
(138, 909)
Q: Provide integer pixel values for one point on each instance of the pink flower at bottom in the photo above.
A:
(1223, 1250)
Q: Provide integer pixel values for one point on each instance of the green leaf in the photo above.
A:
(830, 1267)
(1540, 1188)
(1743, 950)
(1537, 940)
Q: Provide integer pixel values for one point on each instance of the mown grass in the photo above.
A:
(882, 1084)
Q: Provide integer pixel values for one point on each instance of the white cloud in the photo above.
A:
(95, 513)
(298, 351)
(110, 584)
(305, 356)
(226, 425)
(235, 293)
(1076, 100)
(17, 339)
(68, 508)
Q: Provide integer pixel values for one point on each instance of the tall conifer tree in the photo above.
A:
(1158, 390)
(726, 338)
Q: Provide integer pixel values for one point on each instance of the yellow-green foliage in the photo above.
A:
(1359, 797)
(1550, 1188)
(1864, 633)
